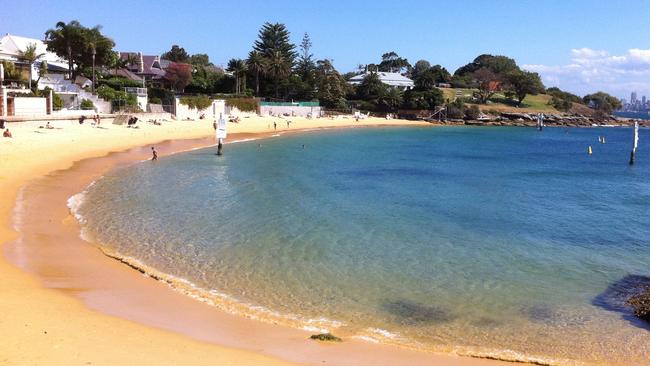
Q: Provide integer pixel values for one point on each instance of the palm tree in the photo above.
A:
(68, 34)
(94, 39)
(42, 71)
(132, 60)
(238, 67)
(257, 63)
(278, 68)
(30, 56)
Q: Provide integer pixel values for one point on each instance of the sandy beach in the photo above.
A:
(65, 302)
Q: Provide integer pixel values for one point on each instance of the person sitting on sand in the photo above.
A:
(7, 133)
(49, 126)
(154, 154)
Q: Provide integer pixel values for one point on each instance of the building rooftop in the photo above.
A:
(11, 47)
(388, 78)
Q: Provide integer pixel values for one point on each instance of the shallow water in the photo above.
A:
(496, 242)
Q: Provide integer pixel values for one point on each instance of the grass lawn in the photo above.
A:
(499, 103)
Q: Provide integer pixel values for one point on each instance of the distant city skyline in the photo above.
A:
(635, 104)
(579, 46)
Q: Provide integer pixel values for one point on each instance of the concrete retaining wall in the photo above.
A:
(183, 112)
(294, 111)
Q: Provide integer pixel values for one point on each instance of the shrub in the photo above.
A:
(57, 102)
(87, 104)
(198, 102)
(155, 100)
(119, 83)
(560, 104)
(243, 104)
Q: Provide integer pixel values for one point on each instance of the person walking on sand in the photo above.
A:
(154, 154)
(275, 126)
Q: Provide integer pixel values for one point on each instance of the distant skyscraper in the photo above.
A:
(633, 98)
(643, 100)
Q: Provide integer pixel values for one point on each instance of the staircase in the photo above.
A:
(60, 85)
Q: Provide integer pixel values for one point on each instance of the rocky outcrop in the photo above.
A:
(640, 304)
(558, 120)
(325, 337)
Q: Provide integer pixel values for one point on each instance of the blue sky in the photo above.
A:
(580, 46)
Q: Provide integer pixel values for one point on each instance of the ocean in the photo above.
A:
(493, 242)
(636, 115)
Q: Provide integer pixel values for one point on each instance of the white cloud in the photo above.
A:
(592, 70)
(587, 53)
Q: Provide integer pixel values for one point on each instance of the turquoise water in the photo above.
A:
(480, 241)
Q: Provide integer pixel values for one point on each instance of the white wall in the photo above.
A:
(294, 111)
(142, 102)
(29, 106)
(183, 112)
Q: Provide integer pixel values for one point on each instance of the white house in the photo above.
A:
(11, 48)
(72, 94)
(393, 79)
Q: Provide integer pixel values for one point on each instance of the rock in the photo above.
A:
(325, 337)
(618, 294)
(640, 304)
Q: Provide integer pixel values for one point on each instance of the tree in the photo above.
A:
(42, 71)
(425, 80)
(273, 38)
(79, 45)
(523, 83)
(441, 74)
(423, 99)
(278, 68)
(371, 87)
(132, 59)
(496, 64)
(176, 54)
(238, 67)
(306, 65)
(561, 100)
(30, 56)
(331, 87)
(179, 75)
(274, 45)
(257, 63)
(420, 66)
(488, 84)
(11, 72)
(95, 41)
(602, 102)
(200, 60)
(63, 39)
(390, 99)
(391, 62)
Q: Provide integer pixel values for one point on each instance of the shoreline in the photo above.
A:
(54, 310)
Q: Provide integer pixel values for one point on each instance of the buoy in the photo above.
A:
(589, 150)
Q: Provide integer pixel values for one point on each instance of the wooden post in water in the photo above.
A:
(635, 143)
(220, 147)
(221, 134)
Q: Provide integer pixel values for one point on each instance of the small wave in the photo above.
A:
(226, 302)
